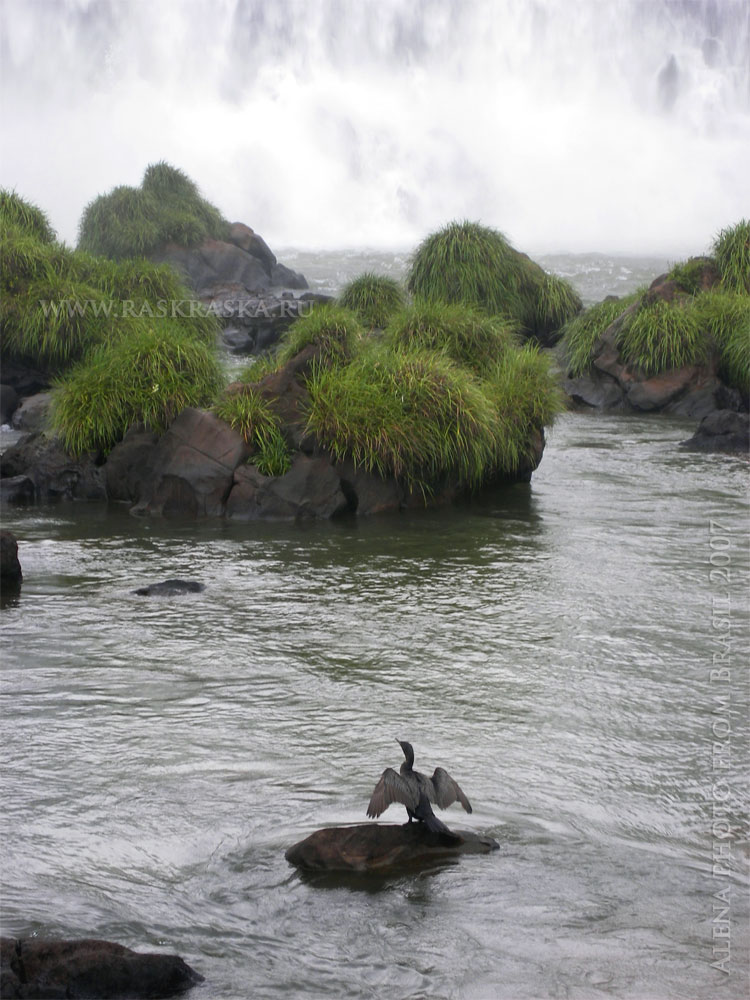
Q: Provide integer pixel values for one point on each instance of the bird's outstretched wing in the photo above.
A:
(448, 791)
(390, 788)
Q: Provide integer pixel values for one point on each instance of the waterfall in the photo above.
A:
(615, 125)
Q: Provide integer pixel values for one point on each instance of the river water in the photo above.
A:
(550, 643)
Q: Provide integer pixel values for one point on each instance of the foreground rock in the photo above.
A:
(722, 430)
(10, 567)
(88, 968)
(40, 468)
(378, 847)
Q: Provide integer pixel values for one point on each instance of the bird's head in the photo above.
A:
(408, 751)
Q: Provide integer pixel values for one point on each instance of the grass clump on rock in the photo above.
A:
(411, 414)
(466, 335)
(474, 265)
(725, 317)
(329, 327)
(731, 251)
(251, 415)
(374, 298)
(19, 214)
(582, 333)
(660, 336)
(146, 377)
(133, 222)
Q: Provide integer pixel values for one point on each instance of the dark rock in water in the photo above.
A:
(128, 465)
(369, 847)
(31, 413)
(88, 969)
(722, 430)
(10, 567)
(55, 475)
(25, 380)
(16, 489)
(248, 240)
(192, 467)
(310, 489)
(170, 588)
(9, 400)
(245, 264)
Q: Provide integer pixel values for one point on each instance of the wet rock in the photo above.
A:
(311, 489)
(128, 465)
(722, 430)
(89, 969)
(170, 588)
(10, 567)
(55, 474)
(31, 413)
(368, 847)
(16, 490)
(192, 467)
(368, 493)
(9, 400)
(26, 381)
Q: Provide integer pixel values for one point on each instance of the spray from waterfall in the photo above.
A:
(592, 126)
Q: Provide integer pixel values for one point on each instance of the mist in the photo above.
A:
(618, 126)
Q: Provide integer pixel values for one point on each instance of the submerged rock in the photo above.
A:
(170, 588)
(722, 430)
(10, 567)
(367, 847)
(88, 968)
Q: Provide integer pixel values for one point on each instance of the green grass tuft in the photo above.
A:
(581, 334)
(552, 302)
(133, 222)
(732, 252)
(146, 377)
(725, 317)
(252, 416)
(332, 328)
(468, 263)
(467, 335)
(661, 336)
(374, 298)
(18, 213)
(528, 397)
(689, 275)
(414, 415)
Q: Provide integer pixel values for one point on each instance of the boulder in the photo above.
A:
(214, 266)
(55, 474)
(310, 489)
(10, 567)
(379, 847)
(368, 493)
(16, 490)
(25, 380)
(722, 430)
(9, 400)
(128, 465)
(192, 467)
(253, 323)
(89, 968)
(248, 240)
(31, 413)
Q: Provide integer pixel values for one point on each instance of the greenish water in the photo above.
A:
(551, 644)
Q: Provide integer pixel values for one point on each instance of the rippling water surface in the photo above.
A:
(551, 644)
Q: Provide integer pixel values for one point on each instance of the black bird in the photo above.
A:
(416, 791)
